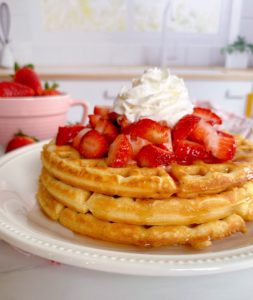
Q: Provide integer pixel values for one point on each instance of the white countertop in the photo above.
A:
(27, 277)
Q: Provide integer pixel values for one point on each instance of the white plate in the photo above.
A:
(23, 225)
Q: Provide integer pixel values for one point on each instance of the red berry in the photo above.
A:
(113, 116)
(50, 92)
(186, 151)
(93, 145)
(67, 133)
(153, 156)
(207, 115)
(106, 128)
(77, 139)
(184, 127)
(13, 89)
(120, 152)
(150, 130)
(123, 122)
(102, 111)
(94, 120)
(19, 140)
(222, 145)
(27, 76)
(137, 144)
(202, 132)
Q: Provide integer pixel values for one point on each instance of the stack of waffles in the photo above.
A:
(150, 171)
(185, 204)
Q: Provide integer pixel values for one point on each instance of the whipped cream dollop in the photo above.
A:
(156, 95)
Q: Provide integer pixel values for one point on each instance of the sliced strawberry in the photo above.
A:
(67, 133)
(222, 146)
(207, 115)
(113, 116)
(153, 156)
(120, 152)
(167, 146)
(186, 151)
(93, 145)
(162, 146)
(13, 89)
(184, 127)
(94, 120)
(129, 129)
(104, 126)
(202, 132)
(150, 130)
(137, 144)
(77, 139)
(123, 122)
(102, 111)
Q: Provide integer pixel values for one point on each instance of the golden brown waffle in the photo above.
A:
(93, 175)
(201, 178)
(171, 211)
(187, 205)
(197, 236)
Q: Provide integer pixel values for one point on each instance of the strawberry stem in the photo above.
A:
(16, 66)
(46, 85)
(20, 133)
(31, 66)
(54, 86)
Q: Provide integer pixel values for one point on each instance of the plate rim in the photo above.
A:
(120, 262)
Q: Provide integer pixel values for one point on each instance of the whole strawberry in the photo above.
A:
(50, 90)
(20, 140)
(27, 76)
(13, 89)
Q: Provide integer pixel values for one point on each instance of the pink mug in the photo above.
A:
(36, 116)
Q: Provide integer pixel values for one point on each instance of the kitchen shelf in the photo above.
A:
(126, 73)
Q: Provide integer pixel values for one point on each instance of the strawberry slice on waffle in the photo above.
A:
(208, 115)
(153, 156)
(149, 130)
(102, 111)
(120, 152)
(93, 145)
(104, 126)
(222, 145)
(66, 134)
(187, 152)
(184, 127)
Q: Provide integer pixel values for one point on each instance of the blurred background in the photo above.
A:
(93, 47)
(127, 32)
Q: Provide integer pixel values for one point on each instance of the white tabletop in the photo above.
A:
(27, 277)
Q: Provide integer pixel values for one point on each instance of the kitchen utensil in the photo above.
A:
(6, 56)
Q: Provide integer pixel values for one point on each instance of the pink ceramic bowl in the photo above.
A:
(35, 116)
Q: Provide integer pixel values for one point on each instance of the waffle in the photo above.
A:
(186, 205)
(200, 178)
(198, 236)
(171, 211)
(64, 163)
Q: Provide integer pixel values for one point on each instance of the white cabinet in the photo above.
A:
(229, 95)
